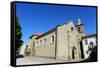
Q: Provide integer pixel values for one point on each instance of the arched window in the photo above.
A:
(72, 28)
(40, 41)
(52, 39)
(44, 41)
(79, 29)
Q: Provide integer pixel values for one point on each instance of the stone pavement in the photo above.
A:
(39, 60)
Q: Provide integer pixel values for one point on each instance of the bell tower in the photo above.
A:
(80, 28)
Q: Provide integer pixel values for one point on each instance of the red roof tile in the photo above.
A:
(38, 34)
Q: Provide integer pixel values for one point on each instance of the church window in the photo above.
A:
(40, 41)
(72, 28)
(79, 29)
(45, 41)
(52, 39)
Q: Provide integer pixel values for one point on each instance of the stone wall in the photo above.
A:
(46, 49)
(62, 42)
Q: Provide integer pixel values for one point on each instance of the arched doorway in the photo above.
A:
(73, 52)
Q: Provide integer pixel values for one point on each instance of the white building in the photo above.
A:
(88, 41)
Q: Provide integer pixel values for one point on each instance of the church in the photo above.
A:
(61, 42)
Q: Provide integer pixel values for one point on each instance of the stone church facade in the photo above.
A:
(61, 42)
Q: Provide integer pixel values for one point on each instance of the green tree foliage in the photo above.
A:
(19, 42)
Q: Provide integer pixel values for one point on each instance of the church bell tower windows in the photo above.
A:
(80, 27)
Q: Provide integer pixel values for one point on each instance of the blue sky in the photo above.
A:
(39, 18)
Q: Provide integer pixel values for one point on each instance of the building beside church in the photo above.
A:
(89, 42)
(61, 42)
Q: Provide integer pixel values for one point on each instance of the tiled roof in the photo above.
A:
(37, 34)
(48, 32)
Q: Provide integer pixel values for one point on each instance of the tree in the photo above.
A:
(93, 56)
(19, 42)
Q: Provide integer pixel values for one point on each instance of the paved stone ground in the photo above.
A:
(38, 60)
